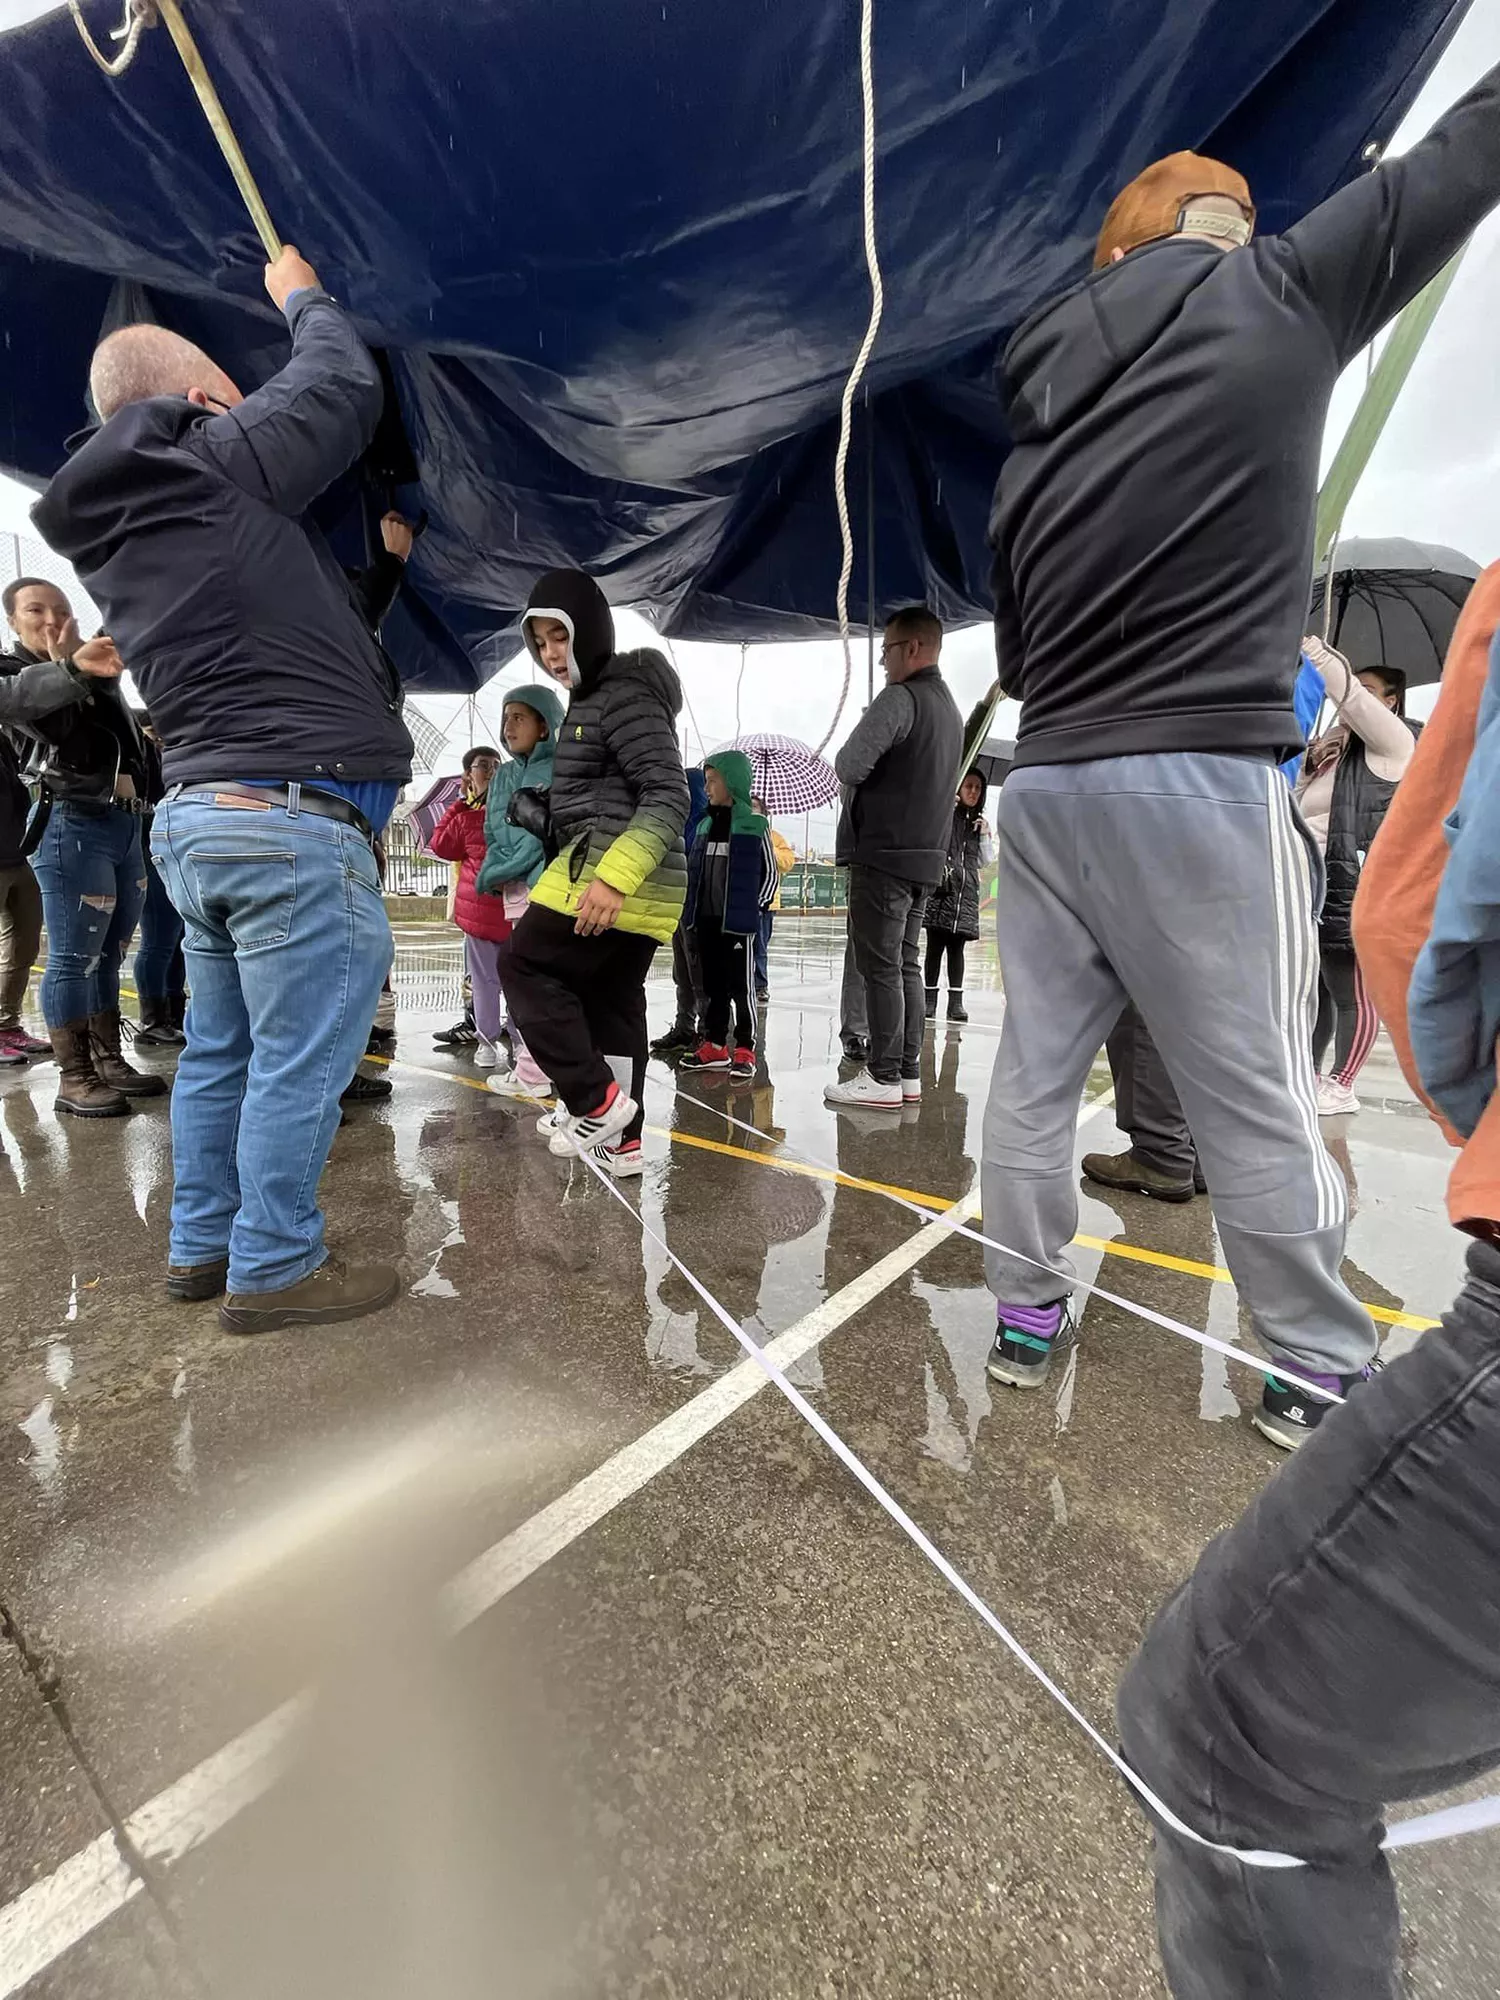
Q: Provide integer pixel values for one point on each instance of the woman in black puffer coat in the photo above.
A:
(952, 916)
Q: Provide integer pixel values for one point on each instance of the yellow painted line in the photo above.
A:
(1133, 1253)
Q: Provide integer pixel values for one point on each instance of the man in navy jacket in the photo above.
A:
(283, 750)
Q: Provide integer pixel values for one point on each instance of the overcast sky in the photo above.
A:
(1435, 477)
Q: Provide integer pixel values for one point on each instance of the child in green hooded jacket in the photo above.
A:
(732, 878)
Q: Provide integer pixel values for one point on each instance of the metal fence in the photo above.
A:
(409, 869)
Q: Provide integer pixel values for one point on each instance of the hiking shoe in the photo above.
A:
(198, 1281)
(1288, 1415)
(110, 1065)
(742, 1068)
(863, 1093)
(1021, 1357)
(16, 1042)
(675, 1042)
(708, 1055)
(595, 1128)
(911, 1089)
(362, 1089)
(81, 1091)
(462, 1035)
(1335, 1100)
(1127, 1173)
(334, 1291)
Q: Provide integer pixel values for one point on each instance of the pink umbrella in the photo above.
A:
(435, 801)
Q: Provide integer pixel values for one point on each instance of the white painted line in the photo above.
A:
(55, 1913)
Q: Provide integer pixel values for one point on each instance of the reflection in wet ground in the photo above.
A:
(765, 1715)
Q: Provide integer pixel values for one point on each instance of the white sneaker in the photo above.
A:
(1335, 1100)
(586, 1133)
(863, 1093)
(505, 1083)
(911, 1088)
(549, 1122)
(486, 1056)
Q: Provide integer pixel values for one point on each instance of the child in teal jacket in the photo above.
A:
(514, 858)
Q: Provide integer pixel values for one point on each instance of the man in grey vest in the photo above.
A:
(898, 769)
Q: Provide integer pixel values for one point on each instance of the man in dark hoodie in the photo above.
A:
(1153, 531)
(574, 969)
(283, 752)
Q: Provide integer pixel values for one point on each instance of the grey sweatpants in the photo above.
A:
(1187, 884)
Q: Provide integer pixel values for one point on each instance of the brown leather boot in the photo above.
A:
(110, 1065)
(81, 1093)
(334, 1291)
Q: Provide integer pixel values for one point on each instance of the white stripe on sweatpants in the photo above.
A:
(1296, 957)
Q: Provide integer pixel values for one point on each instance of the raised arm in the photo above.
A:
(289, 440)
(1368, 250)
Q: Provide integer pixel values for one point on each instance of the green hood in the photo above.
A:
(733, 766)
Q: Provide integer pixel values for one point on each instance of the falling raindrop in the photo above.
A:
(963, 77)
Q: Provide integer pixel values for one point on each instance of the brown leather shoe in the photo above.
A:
(197, 1281)
(81, 1093)
(110, 1065)
(1129, 1174)
(334, 1291)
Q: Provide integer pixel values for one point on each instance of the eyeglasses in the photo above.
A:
(894, 646)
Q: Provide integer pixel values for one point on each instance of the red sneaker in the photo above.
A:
(707, 1055)
(16, 1042)
(742, 1069)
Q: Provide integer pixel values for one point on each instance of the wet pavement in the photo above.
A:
(712, 1726)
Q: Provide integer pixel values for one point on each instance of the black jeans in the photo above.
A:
(1147, 1107)
(727, 958)
(687, 978)
(1336, 1650)
(577, 1001)
(947, 944)
(885, 926)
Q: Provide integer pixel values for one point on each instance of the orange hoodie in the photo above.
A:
(1399, 886)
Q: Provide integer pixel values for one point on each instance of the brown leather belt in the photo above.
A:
(293, 798)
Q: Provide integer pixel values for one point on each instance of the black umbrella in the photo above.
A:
(1394, 604)
(994, 759)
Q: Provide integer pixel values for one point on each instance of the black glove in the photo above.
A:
(530, 808)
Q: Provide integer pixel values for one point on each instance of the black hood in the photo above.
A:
(575, 599)
(1070, 351)
(645, 663)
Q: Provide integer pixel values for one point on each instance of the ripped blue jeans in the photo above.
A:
(93, 881)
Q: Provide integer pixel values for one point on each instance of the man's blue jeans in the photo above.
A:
(93, 881)
(287, 943)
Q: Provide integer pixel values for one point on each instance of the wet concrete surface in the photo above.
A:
(761, 1746)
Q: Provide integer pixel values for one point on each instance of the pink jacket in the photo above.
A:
(459, 836)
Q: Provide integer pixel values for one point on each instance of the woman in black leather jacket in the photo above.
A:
(90, 764)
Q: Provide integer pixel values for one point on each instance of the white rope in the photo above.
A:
(1441, 1825)
(861, 360)
(139, 14)
(1258, 1362)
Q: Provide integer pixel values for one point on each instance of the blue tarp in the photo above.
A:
(613, 250)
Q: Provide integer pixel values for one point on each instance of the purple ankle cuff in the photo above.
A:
(1041, 1321)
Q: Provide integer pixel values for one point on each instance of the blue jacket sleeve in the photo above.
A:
(292, 438)
(1454, 1001)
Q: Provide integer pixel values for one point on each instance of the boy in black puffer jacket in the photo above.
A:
(574, 969)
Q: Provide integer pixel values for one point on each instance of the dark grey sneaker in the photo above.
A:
(1288, 1415)
(1023, 1360)
(1127, 1174)
(334, 1291)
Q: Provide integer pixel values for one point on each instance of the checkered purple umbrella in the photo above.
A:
(435, 801)
(789, 776)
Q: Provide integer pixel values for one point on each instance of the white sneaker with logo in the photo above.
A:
(911, 1089)
(863, 1093)
(1335, 1100)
